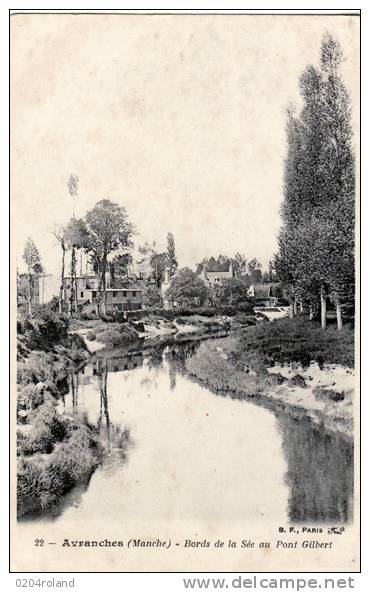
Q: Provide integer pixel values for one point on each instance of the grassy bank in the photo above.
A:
(286, 364)
(53, 452)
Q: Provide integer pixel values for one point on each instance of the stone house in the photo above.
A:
(213, 272)
(124, 295)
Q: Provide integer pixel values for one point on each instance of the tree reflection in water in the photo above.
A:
(319, 474)
(114, 439)
(319, 470)
(319, 465)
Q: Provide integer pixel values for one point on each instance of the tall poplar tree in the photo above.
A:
(316, 241)
(32, 259)
(171, 253)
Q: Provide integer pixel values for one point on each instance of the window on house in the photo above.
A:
(114, 294)
(82, 294)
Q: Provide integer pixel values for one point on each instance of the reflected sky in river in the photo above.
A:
(177, 451)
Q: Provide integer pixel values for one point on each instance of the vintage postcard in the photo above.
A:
(185, 317)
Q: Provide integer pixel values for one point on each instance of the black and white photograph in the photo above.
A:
(185, 291)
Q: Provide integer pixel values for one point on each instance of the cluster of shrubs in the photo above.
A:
(296, 340)
(113, 335)
(54, 452)
(43, 331)
(56, 455)
(50, 367)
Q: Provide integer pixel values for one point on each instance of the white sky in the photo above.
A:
(180, 119)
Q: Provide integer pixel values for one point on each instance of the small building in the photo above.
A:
(213, 272)
(268, 294)
(124, 295)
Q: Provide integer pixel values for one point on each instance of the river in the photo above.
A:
(180, 453)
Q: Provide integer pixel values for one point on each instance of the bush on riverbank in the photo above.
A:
(42, 332)
(48, 427)
(241, 362)
(295, 340)
(216, 371)
(113, 334)
(58, 454)
(53, 451)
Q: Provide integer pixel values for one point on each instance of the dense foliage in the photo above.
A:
(299, 340)
(187, 289)
(316, 241)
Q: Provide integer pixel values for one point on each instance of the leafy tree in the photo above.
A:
(240, 264)
(187, 289)
(72, 185)
(255, 271)
(340, 177)
(230, 291)
(108, 230)
(32, 259)
(270, 275)
(142, 264)
(152, 297)
(159, 263)
(75, 237)
(171, 253)
(316, 241)
(119, 265)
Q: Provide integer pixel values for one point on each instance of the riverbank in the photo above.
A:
(153, 327)
(54, 452)
(311, 379)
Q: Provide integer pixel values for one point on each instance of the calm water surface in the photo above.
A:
(182, 453)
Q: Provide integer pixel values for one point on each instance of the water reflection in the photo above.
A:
(319, 473)
(319, 465)
(115, 438)
(128, 397)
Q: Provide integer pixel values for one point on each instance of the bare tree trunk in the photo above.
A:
(293, 307)
(104, 301)
(29, 292)
(311, 313)
(300, 306)
(61, 290)
(75, 278)
(72, 295)
(323, 309)
(339, 314)
(99, 308)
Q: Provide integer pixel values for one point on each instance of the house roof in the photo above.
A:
(213, 266)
